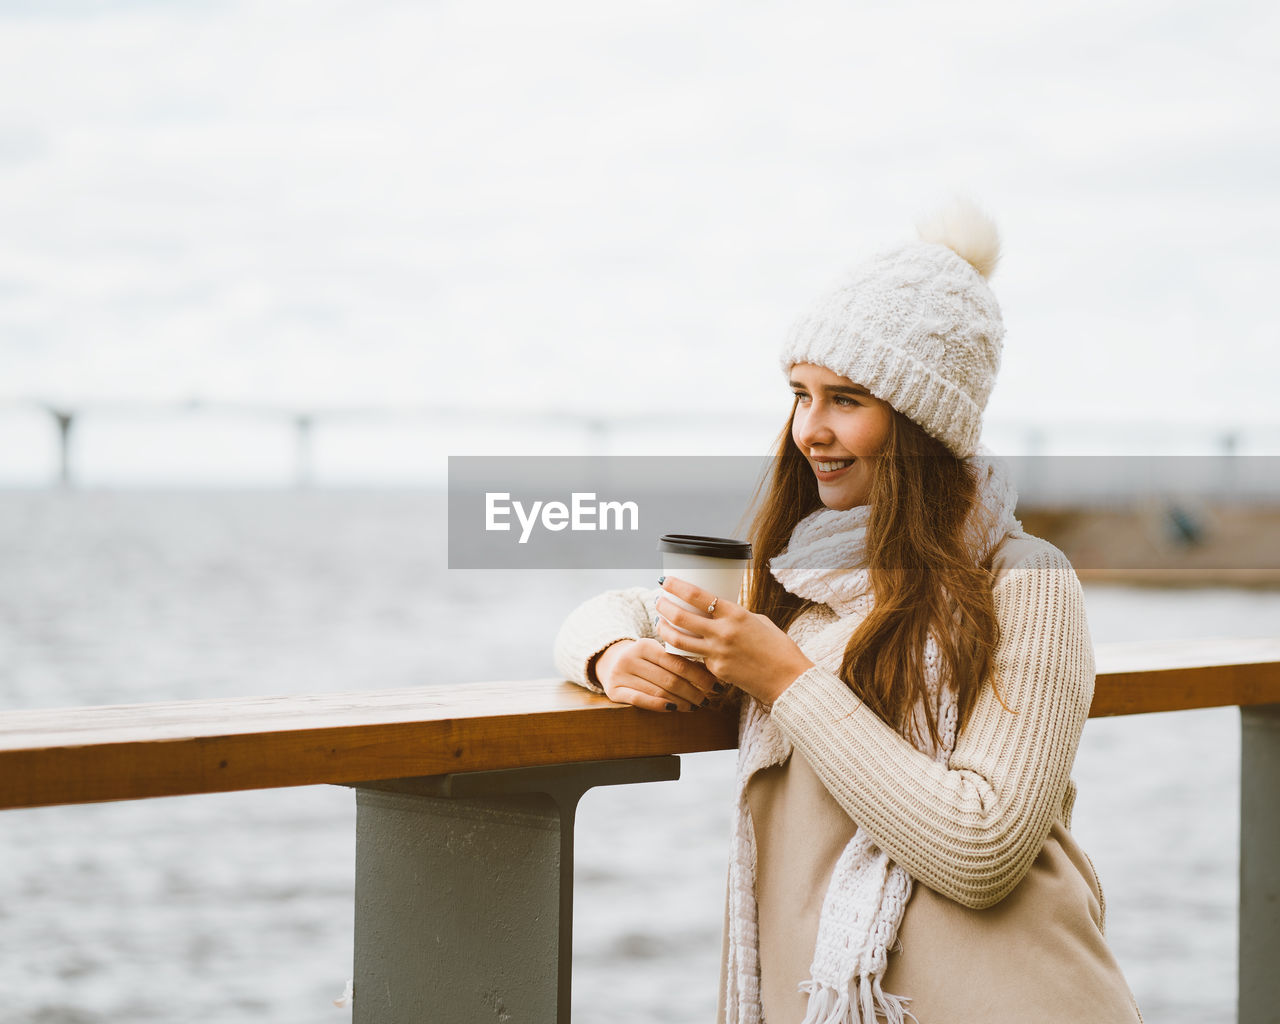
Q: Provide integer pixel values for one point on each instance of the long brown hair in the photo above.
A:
(922, 574)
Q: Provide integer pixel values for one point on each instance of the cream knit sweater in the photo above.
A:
(969, 830)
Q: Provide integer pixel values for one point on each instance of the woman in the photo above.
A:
(915, 673)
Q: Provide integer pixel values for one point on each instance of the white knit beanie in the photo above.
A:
(917, 326)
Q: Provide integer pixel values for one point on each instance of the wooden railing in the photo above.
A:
(475, 787)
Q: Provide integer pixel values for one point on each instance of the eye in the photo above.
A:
(846, 401)
(800, 396)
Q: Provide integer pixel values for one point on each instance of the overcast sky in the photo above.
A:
(608, 208)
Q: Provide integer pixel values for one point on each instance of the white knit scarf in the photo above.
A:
(867, 895)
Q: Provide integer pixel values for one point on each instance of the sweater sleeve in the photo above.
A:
(599, 622)
(971, 829)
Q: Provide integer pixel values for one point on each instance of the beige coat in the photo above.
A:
(1036, 957)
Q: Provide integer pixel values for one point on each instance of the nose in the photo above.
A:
(810, 428)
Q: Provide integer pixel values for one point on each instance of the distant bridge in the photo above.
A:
(602, 430)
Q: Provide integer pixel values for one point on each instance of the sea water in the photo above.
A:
(237, 907)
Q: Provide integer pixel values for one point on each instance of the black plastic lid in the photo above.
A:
(709, 547)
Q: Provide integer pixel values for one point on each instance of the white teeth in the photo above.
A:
(831, 467)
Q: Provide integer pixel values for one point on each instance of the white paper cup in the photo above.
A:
(717, 564)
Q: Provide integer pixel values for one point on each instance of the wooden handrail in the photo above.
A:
(1138, 678)
(125, 752)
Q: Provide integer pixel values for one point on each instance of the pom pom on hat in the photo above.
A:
(968, 232)
(918, 326)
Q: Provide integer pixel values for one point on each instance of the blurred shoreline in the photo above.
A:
(1165, 544)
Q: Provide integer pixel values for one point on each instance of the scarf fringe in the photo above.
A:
(828, 1006)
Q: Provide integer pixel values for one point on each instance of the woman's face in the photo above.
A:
(838, 427)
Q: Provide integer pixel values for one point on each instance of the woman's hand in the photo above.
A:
(739, 647)
(643, 673)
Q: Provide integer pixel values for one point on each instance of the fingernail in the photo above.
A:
(661, 580)
(670, 706)
(718, 687)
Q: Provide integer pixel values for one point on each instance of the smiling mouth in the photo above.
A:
(833, 466)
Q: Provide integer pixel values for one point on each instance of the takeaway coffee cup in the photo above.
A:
(717, 564)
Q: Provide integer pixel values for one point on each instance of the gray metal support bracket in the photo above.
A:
(464, 892)
(1259, 957)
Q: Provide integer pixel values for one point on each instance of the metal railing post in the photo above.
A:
(1259, 1000)
(464, 892)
